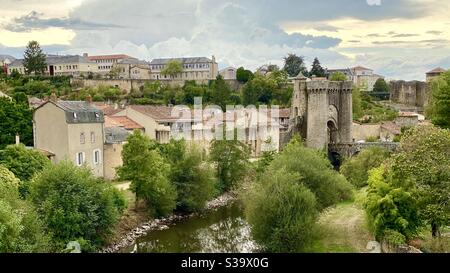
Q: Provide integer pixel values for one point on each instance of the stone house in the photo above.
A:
(430, 75)
(71, 130)
(365, 78)
(132, 68)
(197, 68)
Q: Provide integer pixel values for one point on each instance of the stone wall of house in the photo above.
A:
(112, 159)
(365, 131)
(412, 93)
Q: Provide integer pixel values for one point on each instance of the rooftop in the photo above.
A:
(182, 60)
(115, 135)
(124, 122)
(360, 68)
(437, 70)
(157, 112)
(78, 111)
(56, 59)
(108, 57)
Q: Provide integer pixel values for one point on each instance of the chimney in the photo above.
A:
(53, 97)
(88, 99)
(17, 139)
(116, 106)
(85, 55)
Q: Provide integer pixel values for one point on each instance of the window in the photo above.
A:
(93, 137)
(75, 115)
(80, 158)
(82, 138)
(96, 157)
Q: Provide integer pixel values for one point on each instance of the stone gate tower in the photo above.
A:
(322, 111)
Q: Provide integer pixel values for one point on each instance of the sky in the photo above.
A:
(400, 39)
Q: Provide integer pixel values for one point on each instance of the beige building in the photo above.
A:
(71, 130)
(132, 68)
(104, 63)
(69, 65)
(364, 77)
(200, 68)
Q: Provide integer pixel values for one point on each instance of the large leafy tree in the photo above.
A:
(381, 86)
(75, 205)
(149, 174)
(259, 90)
(24, 163)
(317, 69)
(294, 64)
(221, 92)
(194, 180)
(21, 230)
(439, 105)
(15, 118)
(243, 75)
(172, 68)
(231, 158)
(338, 77)
(423, 167)
(34, 59)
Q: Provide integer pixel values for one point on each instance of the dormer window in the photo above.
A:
(97, 115)
(75, 115)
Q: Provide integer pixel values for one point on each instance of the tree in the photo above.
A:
(172, 68)
(282, 213)
(338, 77)
(294, 64)
(316, 69)
(231, 160)
(259, 90)
(194, 180)
(149, 174)
(356, 169)
(381, 86)
(243, 75)
(24, 163)
(34, 59)
(389, 207)
(114, 72)
(315, 172)
(221, 92)
(423, 167)
(357, 103)
(75, 205)
(438, 108)
(21, 230)
(15, 119)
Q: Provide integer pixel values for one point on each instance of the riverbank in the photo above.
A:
(142, 229)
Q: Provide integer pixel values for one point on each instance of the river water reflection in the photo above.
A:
(219, 231)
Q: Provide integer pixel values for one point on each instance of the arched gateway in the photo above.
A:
(322, 111)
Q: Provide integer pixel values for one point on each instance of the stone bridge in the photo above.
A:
(352, 148)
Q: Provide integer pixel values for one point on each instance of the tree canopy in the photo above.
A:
(381, 86)
(439, 105)
(34, 59)
(172, 68)
(294, 64)
(15, 118)
(317, 69)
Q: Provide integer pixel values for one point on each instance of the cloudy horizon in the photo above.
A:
(400, 39)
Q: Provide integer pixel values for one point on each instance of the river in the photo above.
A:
(223, 230)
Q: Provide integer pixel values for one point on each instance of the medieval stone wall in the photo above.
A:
(412, 93)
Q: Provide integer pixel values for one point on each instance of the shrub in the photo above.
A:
(74, 204)
(356, 168)
(282, 213)
(315, 172)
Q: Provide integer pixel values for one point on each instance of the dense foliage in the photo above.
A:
(282, 213)
(294, 64)
(24, 163)
(21, 230)
(75, 206)
(149, 174)
(34, 59)
(282, 206)
(231, 159)
(338, 77)
(356, 168)
(15, 118)
(439, 106)
(381, 86)
(413, 187)
(243, 75)
(317, 69)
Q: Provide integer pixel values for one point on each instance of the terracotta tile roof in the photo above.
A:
(102, 57)
(108, 109)
(157, 112)
(124, 122)
(437, 70)
(360, 68)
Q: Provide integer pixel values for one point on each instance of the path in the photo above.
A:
(122, 186)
